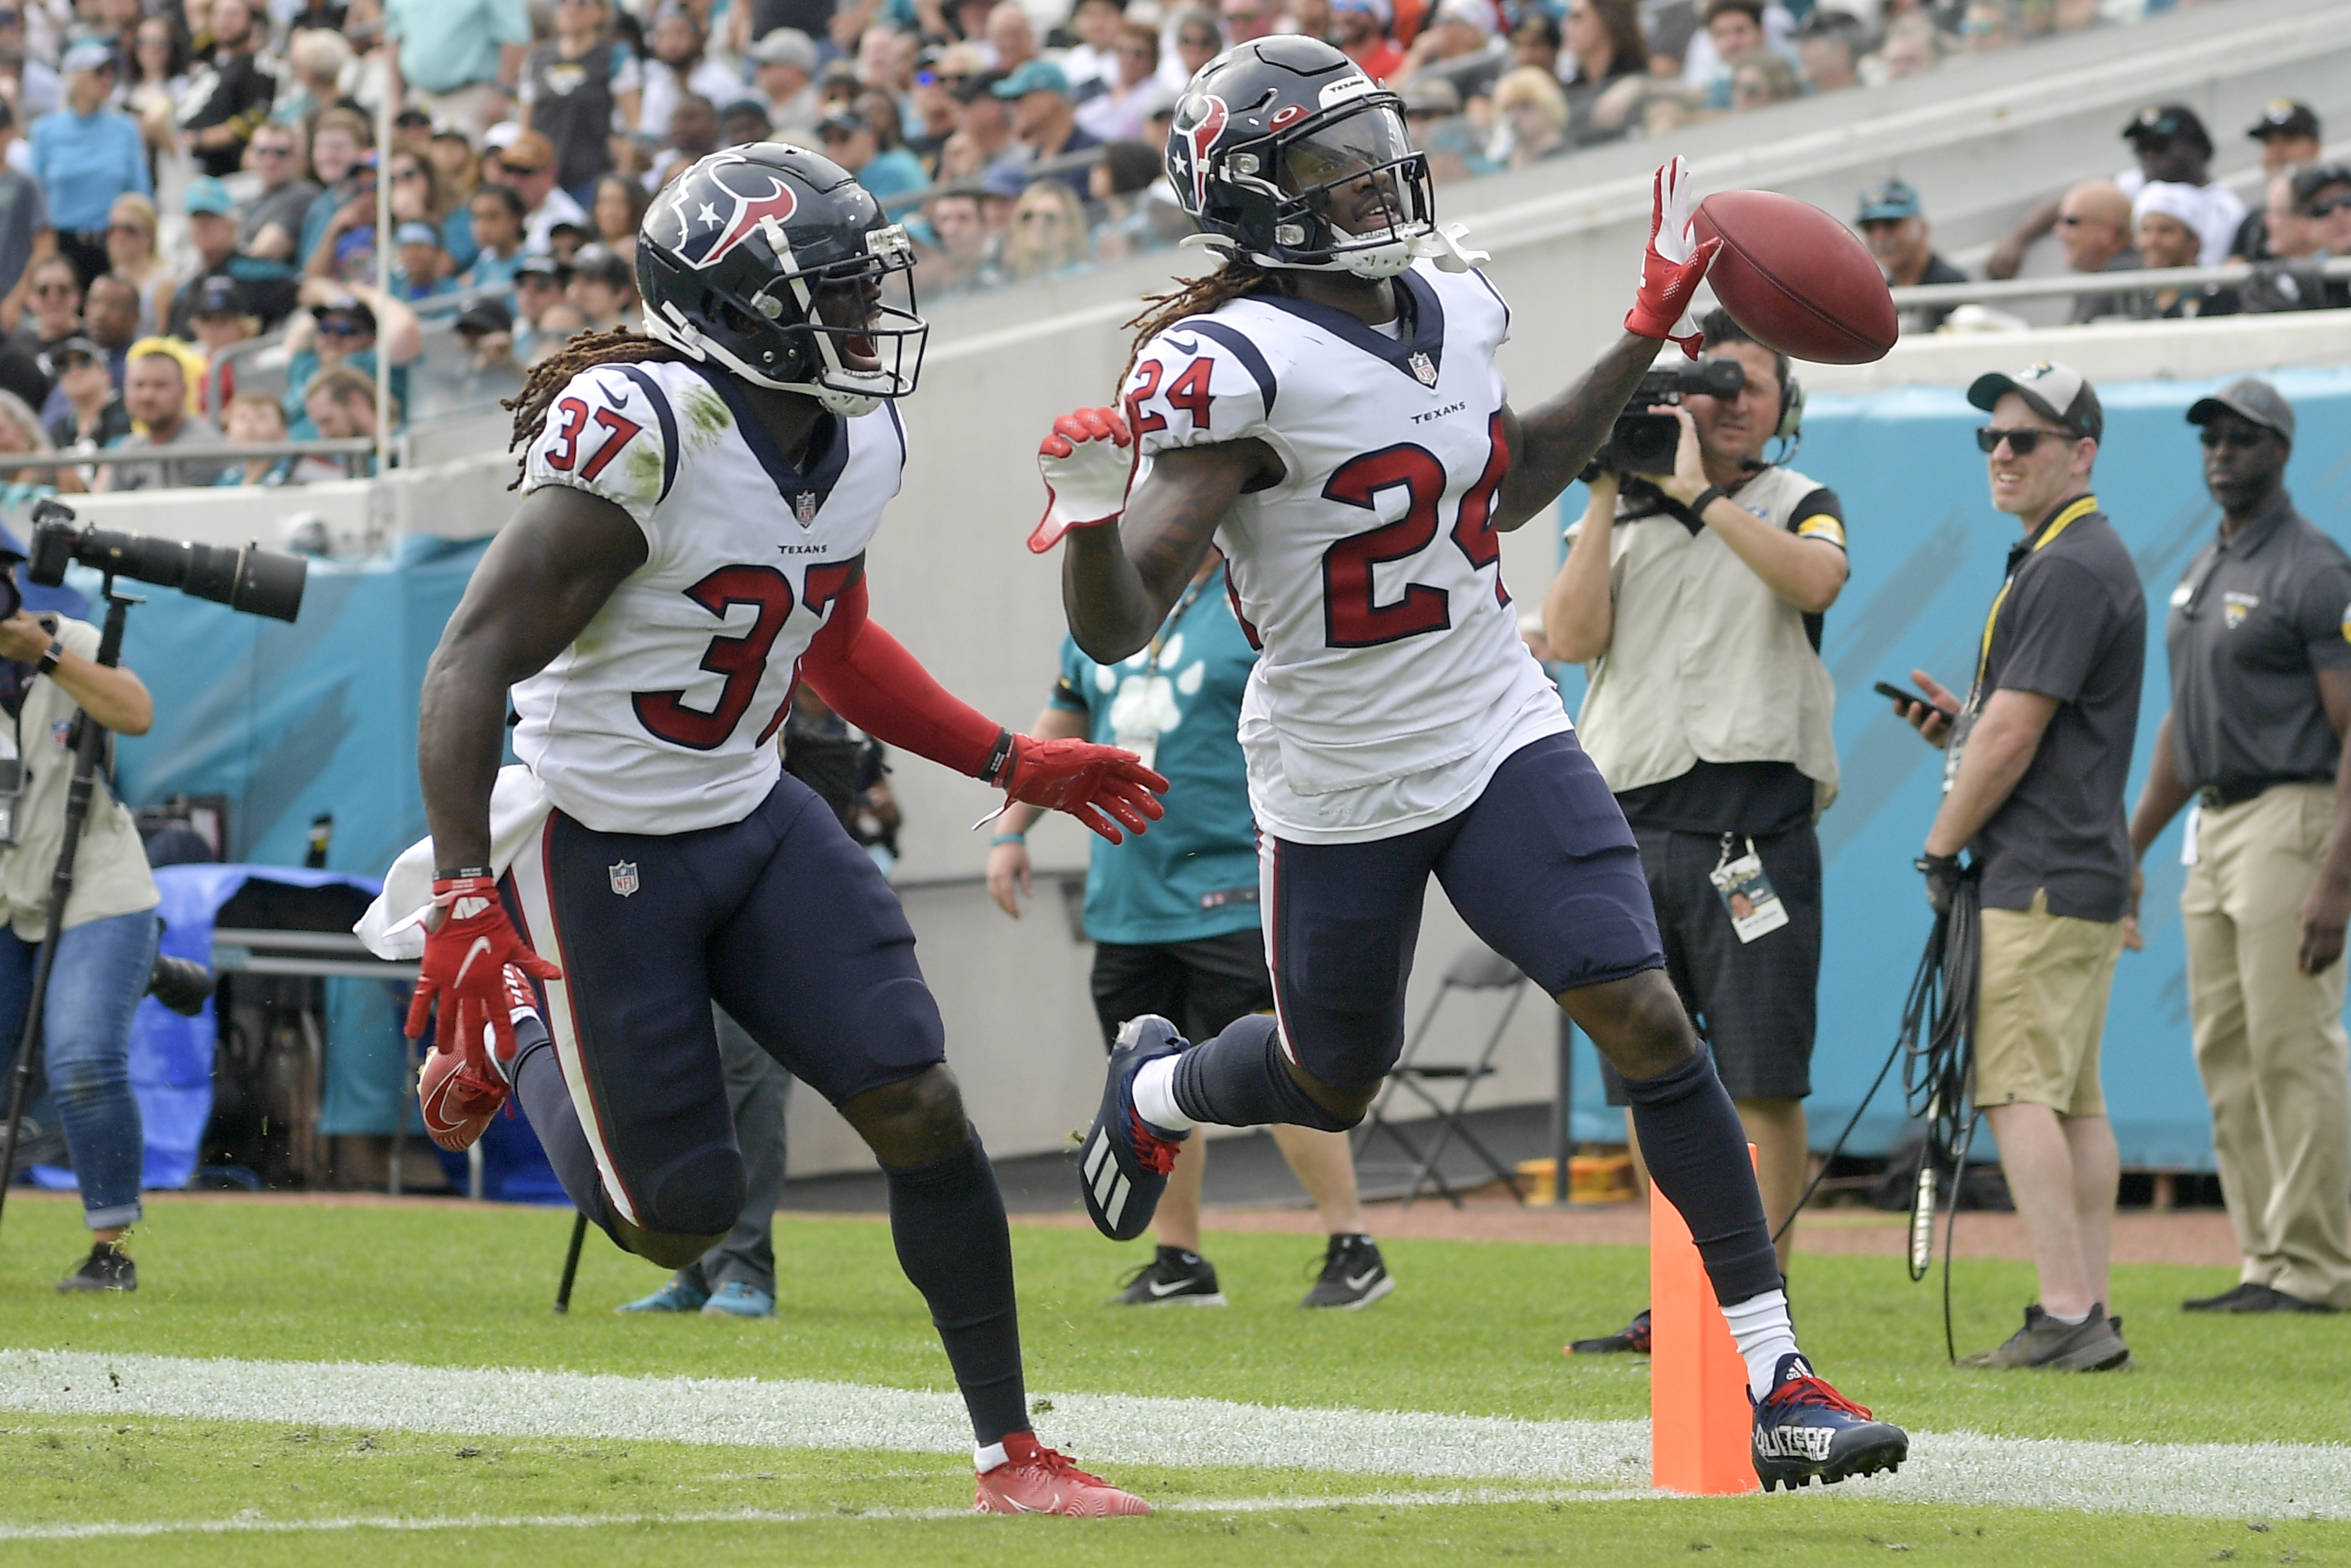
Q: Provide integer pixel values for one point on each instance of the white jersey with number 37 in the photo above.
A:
(1393, 680)
(658, 718)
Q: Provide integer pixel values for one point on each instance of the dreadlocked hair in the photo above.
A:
(584, 352)
(1239, 277)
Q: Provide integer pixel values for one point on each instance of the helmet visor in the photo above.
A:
(1359, 173)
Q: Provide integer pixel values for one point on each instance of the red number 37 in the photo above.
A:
(572, 416)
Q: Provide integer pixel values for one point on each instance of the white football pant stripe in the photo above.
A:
(533, 891)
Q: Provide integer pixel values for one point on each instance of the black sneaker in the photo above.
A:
(1633, 1338)
(1354, 1275)
(2093, 1344)
(108, 1268)
(2237, 1298)
(1173, 1279)
(1806, 1431)
(2272, 1300)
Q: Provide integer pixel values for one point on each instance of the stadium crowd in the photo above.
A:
(179, 178)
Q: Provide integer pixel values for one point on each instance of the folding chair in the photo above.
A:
(1476, 968)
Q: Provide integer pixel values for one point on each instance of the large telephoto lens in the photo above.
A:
(257, 582)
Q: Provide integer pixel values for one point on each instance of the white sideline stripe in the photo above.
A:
(2222, 1480)
(252, 1524)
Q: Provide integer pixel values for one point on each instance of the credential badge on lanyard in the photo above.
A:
(1746, 892)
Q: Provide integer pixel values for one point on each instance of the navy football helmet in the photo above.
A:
(774, 262)
(1282, 150)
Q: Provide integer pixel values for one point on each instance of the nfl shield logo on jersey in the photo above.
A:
(1424, 367)
(624, 878)
(804, 507)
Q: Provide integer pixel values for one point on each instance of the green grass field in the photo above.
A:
(1474, 1329)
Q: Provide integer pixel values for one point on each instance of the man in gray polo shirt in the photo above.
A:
(2260, 697)
(2039, 754)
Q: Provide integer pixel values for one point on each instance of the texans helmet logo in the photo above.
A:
(1187, 150)
(725, 203)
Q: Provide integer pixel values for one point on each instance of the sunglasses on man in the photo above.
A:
(2019, 442)
(2239, 437)
(2327, 208)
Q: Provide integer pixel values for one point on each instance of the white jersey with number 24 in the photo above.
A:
(1393, 680)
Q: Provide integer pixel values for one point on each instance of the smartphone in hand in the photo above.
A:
(1889, 689)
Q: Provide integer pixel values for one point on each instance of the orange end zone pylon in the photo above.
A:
(1701, 1428)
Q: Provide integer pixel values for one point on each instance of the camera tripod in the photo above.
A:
(89, 739)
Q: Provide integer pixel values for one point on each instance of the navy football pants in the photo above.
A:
(779, 918)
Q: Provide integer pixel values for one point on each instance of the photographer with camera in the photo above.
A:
(107, 949)
(1694, 589)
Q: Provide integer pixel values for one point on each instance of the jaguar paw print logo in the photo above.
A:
(2235, 607)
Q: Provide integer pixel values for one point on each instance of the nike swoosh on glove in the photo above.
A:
(464, 968)
(1086, 780)
(1088, 463)
(1674, 264)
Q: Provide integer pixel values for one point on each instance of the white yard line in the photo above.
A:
(252, 1523)
(2286, 1480)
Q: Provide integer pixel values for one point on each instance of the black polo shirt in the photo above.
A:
(2256, 616)
(2069, 623)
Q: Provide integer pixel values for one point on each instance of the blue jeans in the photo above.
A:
(100, 974)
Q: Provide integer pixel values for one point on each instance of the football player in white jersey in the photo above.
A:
(1326, 408)
(692, 541)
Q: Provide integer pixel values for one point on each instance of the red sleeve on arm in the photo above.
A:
(866, 676)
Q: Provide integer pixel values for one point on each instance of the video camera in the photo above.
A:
(1643, 443)
(252, 579)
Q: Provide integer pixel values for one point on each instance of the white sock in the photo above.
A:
(1154, 1096)
(1760, 1325)
(2072, 1322)
(985, 1460)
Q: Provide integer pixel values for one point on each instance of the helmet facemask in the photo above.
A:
(842, 329)
(1348, 195)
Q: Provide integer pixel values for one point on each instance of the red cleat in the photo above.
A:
(460, 1090)
(1034, 1479)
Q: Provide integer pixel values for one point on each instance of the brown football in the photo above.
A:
(1796, 279)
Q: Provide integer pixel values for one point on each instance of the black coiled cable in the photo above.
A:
(1936, 1049)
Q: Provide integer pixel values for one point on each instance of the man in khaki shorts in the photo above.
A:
(2039, 754)
(2260, 638)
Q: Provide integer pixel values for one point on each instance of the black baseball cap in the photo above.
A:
(346, 305)
(2056, 391)
(599, 263)
(2248, 398)
(218, 296)
(2319, 177)
(487, 315)
(2284, 117)
(2162, 122)
(544, 266)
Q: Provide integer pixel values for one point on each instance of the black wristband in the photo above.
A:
(999, 758)
(1707, 497)
(47, 662)
(455, 873)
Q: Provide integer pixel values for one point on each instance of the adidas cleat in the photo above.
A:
(1806, 1431)
(1125, 1160)
(1632, 1339)
(1034, 1479)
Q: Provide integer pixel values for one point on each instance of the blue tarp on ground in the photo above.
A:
(1927, 555)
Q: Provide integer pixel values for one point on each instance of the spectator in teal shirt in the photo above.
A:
(1174, 913)
(85, 155)
(462, 57)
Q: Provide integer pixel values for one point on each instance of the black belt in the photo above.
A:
(2213, 796)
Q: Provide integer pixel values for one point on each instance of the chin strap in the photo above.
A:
(1444, 247)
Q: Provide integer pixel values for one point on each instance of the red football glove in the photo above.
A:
(1088, 463)
(1674, 264)
(1085, 780)
(465, 966)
